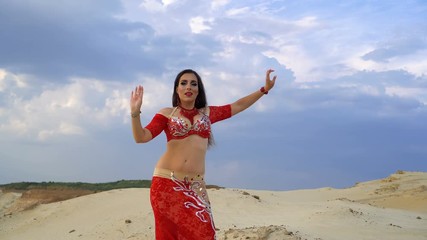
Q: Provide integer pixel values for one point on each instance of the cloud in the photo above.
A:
(153, 5)
(199, 24)
(237, 54)
(237, 11)
(66, 109)
(47, 39)
(396, 47)
(8, 80)
(216, 4)
(64, 128)
(369, 92)
(409, 93)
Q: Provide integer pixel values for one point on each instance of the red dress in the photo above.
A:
(180, 202)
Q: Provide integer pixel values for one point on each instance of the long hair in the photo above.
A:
(201, 101)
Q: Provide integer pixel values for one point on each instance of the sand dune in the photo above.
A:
(390, 208)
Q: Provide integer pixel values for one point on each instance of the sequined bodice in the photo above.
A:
(180, 128)
(176, 127)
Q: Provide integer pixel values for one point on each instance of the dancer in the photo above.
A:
(178, 192)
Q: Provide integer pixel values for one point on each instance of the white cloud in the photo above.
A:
(2, 74)
(415, 63)
(412, 61)
(117, 103)
(408, 92)
(307, 22)
(237, 11)
(199, 24)
(8, 79)
(69, 109)
(299, 60)
(364, 89)
(62, 129)
(168, 2)
(14, 125)
(216, 4)
(156, 5)
(152, 5)
(227, 51)
(257, 38)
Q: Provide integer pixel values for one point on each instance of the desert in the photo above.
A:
(394, 207)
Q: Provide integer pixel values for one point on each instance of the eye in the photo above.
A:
(194, 83)
(183, 83)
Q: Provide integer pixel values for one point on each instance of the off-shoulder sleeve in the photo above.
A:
(219, 113)
(157, 124)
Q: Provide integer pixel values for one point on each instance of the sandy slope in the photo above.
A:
(391, 208)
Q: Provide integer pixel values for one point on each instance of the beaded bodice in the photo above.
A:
(180, 128)
(176, 127)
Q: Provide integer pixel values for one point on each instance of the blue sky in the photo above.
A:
(350, 102)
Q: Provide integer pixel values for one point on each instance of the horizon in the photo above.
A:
(209, 185)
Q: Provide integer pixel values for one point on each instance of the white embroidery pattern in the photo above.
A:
(197, 191)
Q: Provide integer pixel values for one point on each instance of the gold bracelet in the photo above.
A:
(134, 115)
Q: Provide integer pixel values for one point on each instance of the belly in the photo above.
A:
(185, 155)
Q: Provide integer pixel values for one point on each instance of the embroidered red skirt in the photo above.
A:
(181, 207)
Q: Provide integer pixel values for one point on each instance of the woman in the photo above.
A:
(178, 193)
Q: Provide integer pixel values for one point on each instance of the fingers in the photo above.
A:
(269, 71)
(139, 90)
(268, 81)
(273, 81)
(137, 94)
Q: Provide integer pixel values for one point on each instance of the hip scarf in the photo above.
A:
(181, 206)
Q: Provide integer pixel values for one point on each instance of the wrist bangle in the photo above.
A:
(263, 90)
(135, 114)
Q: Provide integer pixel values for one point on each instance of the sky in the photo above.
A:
(349, 105)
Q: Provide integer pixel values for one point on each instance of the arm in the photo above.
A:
(247, 101)
(140, 134)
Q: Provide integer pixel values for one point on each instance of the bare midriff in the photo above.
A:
(185, 155)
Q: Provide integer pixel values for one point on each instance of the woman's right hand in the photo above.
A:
(136, 99)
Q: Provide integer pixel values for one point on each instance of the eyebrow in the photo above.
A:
(193, 80)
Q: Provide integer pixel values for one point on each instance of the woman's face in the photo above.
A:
(188, 87)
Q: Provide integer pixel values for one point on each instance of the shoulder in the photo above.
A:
(205, 110)
(166, 111)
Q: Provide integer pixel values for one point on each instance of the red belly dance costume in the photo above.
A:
(180, 202)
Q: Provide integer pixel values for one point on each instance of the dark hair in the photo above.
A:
(201, 101)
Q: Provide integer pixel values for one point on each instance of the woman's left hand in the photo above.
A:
(269, 83)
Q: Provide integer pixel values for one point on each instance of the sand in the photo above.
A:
(390, 208)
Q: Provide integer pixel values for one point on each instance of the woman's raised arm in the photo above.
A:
(247, 101)
(140, 134)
